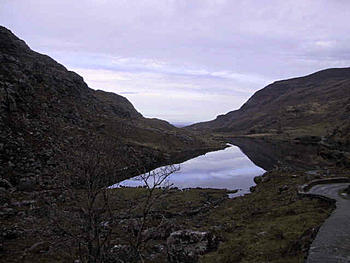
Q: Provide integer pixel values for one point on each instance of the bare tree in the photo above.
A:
(157, 185)
(88, 224)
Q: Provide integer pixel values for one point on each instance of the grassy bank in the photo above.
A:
(272, 224)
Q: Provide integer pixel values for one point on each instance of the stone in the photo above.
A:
(123, 252)
(159, 233)
(187, 245)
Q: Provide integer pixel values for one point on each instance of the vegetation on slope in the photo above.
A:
(317, 104)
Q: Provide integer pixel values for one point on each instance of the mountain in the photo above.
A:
(315, 104)
(46, 111)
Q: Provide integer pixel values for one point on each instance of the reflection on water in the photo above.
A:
(287, 154)
(225, 169)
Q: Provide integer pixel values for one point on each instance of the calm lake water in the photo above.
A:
(225, 169)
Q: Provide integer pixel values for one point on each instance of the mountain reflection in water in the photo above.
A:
(225, 169)
(294, 154)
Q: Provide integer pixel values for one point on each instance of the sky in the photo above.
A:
(185, 61)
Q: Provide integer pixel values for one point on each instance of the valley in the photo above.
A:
(62, 144)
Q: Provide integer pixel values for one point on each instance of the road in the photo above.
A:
(332, 243)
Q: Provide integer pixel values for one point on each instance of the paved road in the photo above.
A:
(332, 243)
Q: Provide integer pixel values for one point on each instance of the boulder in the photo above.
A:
(187, 245)
(159, 233)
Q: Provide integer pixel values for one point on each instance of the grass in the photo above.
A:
(265, 226)
(269, 226)
(272, 224)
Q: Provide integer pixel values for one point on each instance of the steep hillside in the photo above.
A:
(46, 110)
(316, 104)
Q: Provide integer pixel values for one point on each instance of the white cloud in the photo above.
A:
(218, 51)
(325, 43)
(174, 97)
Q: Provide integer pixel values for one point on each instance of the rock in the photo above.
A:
(39, 247)
(159, 233)
(158, 248)
(262, 234)
(124, 253)
(312, 172)
(187, 245)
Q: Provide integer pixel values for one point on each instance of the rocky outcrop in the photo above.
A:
(188, 245)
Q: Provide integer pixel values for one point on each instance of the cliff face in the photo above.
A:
(317, 102)
(45, 109)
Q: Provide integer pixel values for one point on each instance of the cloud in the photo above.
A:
(129, 92)
(172, 96)
(217, 51)
(325, 43)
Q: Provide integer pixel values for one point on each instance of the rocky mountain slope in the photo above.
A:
(46, 110)
(315, 104)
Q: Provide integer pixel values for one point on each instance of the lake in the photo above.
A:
(228, 169)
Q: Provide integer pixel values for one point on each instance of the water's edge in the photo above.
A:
(228, 168)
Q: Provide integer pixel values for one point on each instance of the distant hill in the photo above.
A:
(46, 110)
(315, 104)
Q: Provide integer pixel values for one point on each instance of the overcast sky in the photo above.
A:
(185, 60)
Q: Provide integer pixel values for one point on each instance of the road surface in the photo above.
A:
(332, 243)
